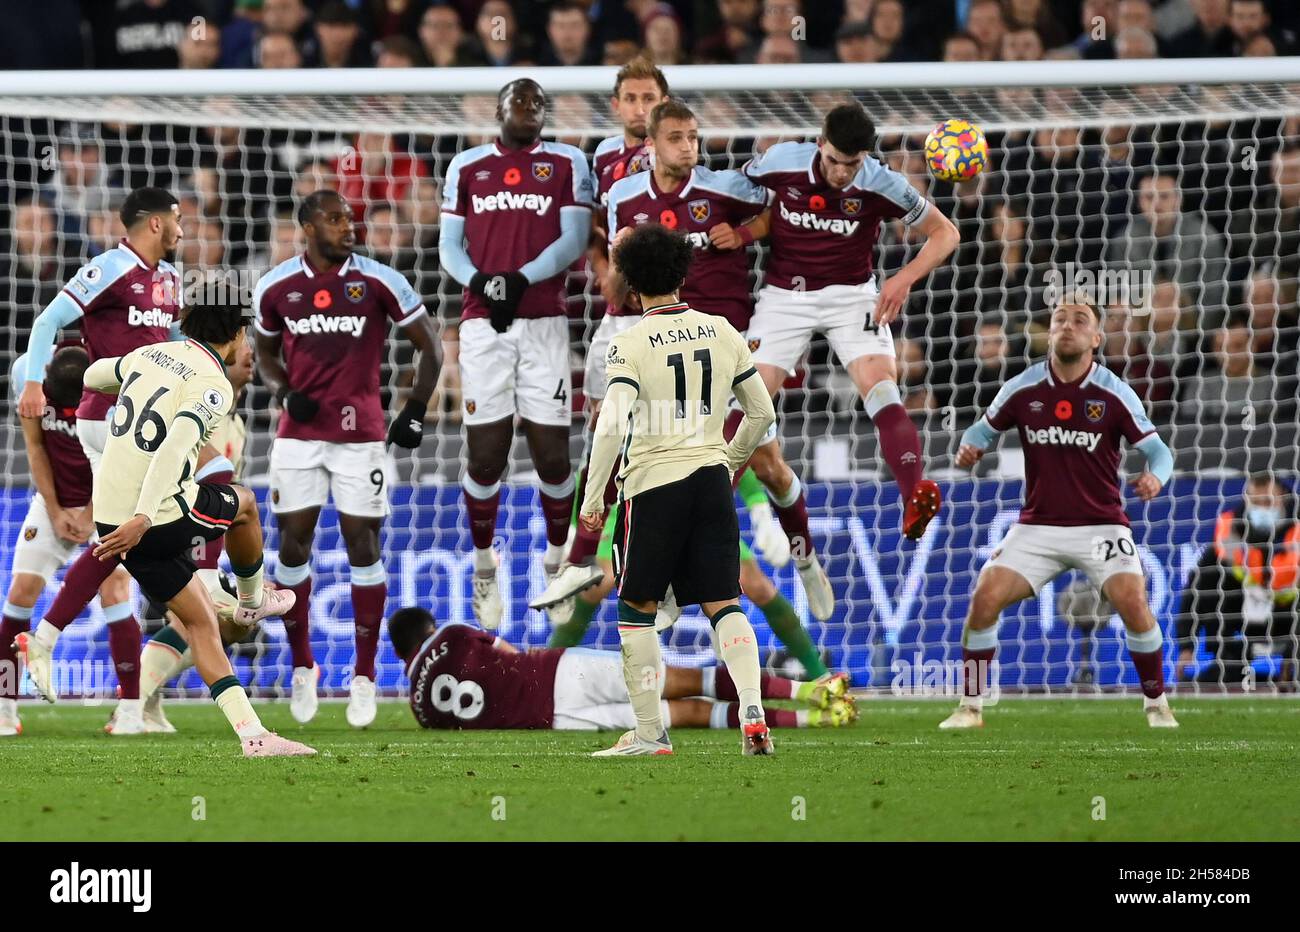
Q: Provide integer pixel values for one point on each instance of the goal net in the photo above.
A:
(1171, 189)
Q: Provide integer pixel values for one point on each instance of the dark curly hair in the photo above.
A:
(214, 324)
(407, 629)
(653, 259)
(849, 129)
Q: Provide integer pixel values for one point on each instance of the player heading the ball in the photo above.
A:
(669, 380)
(1072, 414)
(829, 199)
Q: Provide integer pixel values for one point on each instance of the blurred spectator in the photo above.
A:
(1272, 309)
(239, 36)
(618, 52)
(200, 46)
(497, 36)
(203, 245)
(278, 50)
(79, 189)
(737, 36)
(1097, 21)
(979, 376)
(340, 42)
(1038, 16)
(389, 238)
(857, 11)
(1209, 36)
(985, 24)
(1124, 349)
(286, 239)
(1246, 20)
(961, 46)
(779, 50)
(855, 43)
(778, 17)
(1242, 594)
(1135, 43)
(887, 29)
(141, 33)
(1169, 322)
(568, 34)
(913, 378)
(662, 35)
(398, 52)
(1022, 44)
(1066, 197)
(385, 19)
(291, 18)
(1261, 46)
(30, 267)
(371, 171)
(1229, 389)
(1166, 241)
(1269, 230)
(443, 39)
(315, 174)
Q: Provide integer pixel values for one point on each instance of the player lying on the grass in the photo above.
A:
(149, 510)
(323, 319)
(828, 201)
(462, 677)
(58, 519)
(670, 377)
(754, 583)
(1072, 414)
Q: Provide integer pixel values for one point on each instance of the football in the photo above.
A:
(956, 150)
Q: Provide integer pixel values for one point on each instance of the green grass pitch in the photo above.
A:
(1035, 772)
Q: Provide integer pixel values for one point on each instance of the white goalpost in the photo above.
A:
(1200, 299)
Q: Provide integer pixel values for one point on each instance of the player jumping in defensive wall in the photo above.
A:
(670, 378)
(1072, 414)
(516, 213)
(828, 201)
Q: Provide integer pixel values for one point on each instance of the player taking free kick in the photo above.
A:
(149, 510)
(1072, 414)
(669, 380)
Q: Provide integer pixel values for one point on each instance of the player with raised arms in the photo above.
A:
(716, 212)
(670, 378)
(149, 510)
(322, 322)
(828, 201)
(516, 213)
(1072, 414)
(125, 298)
(462, 677)
(638, 87)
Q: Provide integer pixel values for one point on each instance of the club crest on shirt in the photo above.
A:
(851, 206)
(355, 291)
(753, 344)
(542, 171)
(470, 406)
(1094, 410)
(700, 210)
(275, 496)
(635, 164)
(29, 534)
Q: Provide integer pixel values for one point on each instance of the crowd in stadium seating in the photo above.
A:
(1213, 234)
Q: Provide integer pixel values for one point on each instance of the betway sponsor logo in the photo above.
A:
(327, 323)
(810, 221)
(154, 317)
(1060, 437)
(511, 200)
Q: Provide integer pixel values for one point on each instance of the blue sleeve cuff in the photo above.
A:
(1160, 461)
(979, 435)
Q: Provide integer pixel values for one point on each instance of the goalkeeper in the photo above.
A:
(757, 586)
